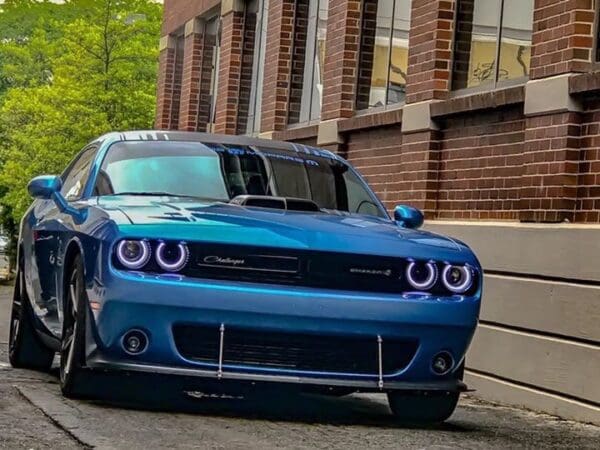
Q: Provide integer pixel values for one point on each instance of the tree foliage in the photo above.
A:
(68, 73)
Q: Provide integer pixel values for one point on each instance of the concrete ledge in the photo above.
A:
(329, 134)
(553, 364)
(509, 393)
(549, 95)
(167, 42)
(563, 251)
(228, 6)
(417, 117)
(558, 308)
(194, 26)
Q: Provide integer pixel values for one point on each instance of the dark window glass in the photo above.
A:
(384, 53)
(76, 175)
(488, 32)
(212, 36)
(220, 173)
(308, 60)
(257, 14)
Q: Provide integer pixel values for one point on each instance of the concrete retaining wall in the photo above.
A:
(538, 343)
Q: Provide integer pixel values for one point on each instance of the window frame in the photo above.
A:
(496, 84)
(386, 106)
(311, 49)
(258, 71)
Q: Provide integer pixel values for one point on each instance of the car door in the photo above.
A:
(50, 230)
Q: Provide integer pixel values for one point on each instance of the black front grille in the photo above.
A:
(299, 352)
(297, 267)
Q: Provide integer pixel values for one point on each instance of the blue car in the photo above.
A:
(234, 260)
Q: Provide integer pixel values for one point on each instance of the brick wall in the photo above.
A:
(178, 12)
(230, 71)
(298, 60)
(430, 50)
(279, 47)
(367, 53)
(341, 58)
(562, 37)
(481, 165)
(588, 192)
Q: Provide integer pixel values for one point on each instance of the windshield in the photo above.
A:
(221, 172)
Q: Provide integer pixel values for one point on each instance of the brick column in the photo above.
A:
(562, 44)
(278, 57)
(230, 67)
(167, 85)
(340, 70)
(189, 113)
(430, 52)
(429, 66)
(562, 40)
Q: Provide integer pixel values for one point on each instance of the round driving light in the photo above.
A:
(172, 257)
(135, 342)
(133, 254)
(421, 275)
(442, 363)
(457, 279)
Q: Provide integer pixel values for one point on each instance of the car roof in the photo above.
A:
(185, 136)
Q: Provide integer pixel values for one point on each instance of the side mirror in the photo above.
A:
(44, 187)
(47, 187)
(408, 217)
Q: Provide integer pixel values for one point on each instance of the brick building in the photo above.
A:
(483, 113)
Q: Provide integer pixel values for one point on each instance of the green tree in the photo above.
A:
(85, 70)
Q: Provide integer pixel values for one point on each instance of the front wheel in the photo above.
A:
(427, 408)
(25, 348)
(72, 350)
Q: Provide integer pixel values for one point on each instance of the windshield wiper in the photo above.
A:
(168, 194)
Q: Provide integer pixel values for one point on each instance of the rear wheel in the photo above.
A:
(72, 350)
(422, 407)
(25, 348)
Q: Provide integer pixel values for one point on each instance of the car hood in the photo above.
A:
(168, 218)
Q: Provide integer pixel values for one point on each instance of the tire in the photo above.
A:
(73, 376)
(420, 408)
(25, 348)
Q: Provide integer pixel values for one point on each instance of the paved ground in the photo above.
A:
(34, 415)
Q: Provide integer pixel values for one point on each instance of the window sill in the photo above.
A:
(298, 131)
(371, 118)
(476, 100)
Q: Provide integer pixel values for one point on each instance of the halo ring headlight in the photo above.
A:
(412, 275)
(133, 254)
(175, 262)
(457, 279)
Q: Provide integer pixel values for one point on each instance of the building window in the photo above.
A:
(306, 87)
(383, 53)
(255, 44)
(493, 42)
(212, 45)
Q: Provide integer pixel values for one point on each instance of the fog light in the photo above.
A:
(135, 342)
(442, 363)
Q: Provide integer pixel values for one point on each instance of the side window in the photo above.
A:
(76, 174)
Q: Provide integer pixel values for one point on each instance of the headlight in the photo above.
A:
(172, 257)
(133, 254)
(421, 275)
(457, 279)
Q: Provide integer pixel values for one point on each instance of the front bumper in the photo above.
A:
(155, 304)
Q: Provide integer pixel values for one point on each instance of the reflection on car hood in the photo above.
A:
(171, 218)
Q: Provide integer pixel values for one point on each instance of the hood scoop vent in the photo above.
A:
(285, 203)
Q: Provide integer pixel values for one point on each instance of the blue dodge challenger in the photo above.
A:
(238, 260)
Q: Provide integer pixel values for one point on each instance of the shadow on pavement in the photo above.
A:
(245, 401)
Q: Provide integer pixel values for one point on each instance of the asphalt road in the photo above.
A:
(34, 415)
